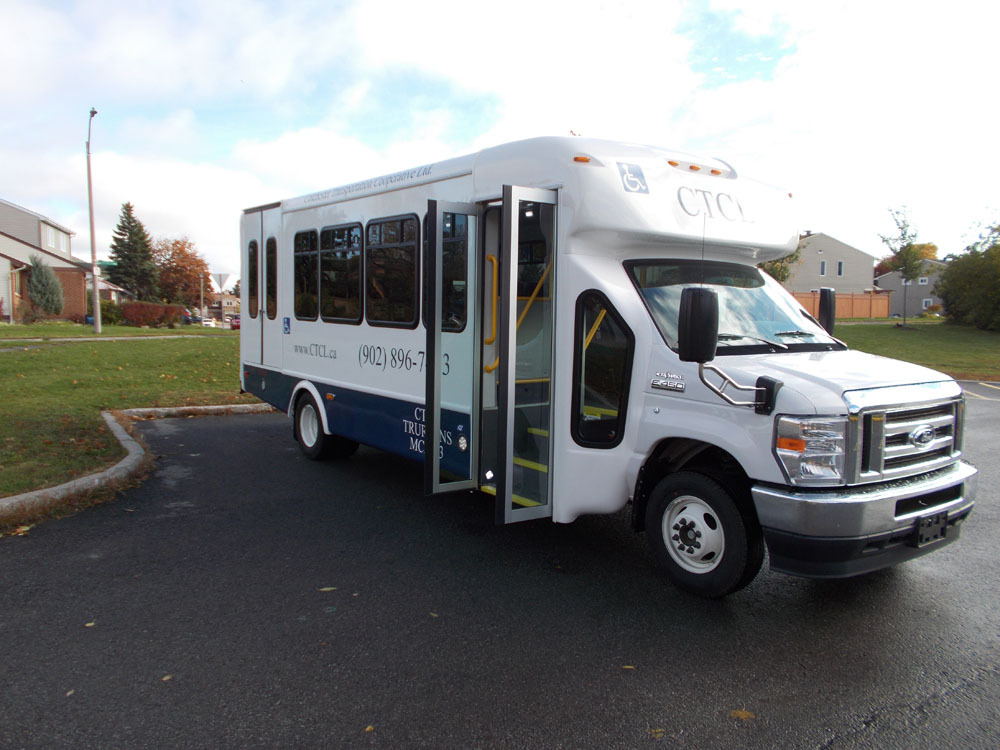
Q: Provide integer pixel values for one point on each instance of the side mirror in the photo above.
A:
(827, 308)
(698, 325)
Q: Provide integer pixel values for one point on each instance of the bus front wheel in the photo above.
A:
(705, 542)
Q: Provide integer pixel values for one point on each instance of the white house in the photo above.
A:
(919, 292)
(828, 262)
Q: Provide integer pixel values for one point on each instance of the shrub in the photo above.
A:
(150, 314)
(111, 313)
(44, 289)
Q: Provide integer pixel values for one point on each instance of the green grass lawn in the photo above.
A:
(962, 352)
(51, 429)
(63, 329)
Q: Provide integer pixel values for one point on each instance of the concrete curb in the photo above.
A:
(42, 500)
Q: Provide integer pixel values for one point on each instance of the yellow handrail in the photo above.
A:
(593, 329)
(496, 295)
(520, 318)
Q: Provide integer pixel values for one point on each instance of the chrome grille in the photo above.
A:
(903, 441)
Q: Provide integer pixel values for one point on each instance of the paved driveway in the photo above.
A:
(245, 597)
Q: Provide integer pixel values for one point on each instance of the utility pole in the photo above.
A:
(93, 249)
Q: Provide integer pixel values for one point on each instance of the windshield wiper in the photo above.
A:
(794, 333)
(732, 336)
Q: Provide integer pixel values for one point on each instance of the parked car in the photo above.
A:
(187, 317)
(235, 323)
(208, 322)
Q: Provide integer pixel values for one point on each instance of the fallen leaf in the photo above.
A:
(434, 614)
(166, 678)
(657, 734)
(22, 530)
(69, 693)
(369, 728)
(90, 624)
(627, 666)
(328, 588)
(742, 714)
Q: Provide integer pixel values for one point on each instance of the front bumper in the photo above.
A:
(855, 530)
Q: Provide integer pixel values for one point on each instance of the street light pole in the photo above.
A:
(93, 250)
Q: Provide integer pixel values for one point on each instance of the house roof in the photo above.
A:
(40, 217)
(17, 263)
(65, 259)
(925, 260)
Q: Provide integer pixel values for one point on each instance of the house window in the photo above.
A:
(822, 268)
(923, 281)
(928, 303)
(840, 268)
(50, 236)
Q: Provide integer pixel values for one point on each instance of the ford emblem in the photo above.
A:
(922, 436)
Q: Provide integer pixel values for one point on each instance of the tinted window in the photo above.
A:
(340, 273)
(253, 258)
(391, 272)
(602, 369)
(306, 276)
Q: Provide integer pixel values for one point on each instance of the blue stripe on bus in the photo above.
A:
(383, 422)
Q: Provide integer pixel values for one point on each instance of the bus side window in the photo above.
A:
(271, 271)
(340, 274)
(602, 369)
(306, 275)
(253, 253)
(454, 271)
(391, 272)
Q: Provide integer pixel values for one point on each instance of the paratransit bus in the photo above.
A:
(571, 325)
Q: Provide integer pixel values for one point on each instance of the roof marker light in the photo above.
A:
(673, 163)
(694, 168)
(582, 159)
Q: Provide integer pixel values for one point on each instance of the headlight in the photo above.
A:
(811, 450)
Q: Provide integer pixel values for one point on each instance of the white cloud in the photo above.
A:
(208, 108)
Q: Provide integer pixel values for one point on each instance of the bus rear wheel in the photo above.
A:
(313, 441)
(705, 542)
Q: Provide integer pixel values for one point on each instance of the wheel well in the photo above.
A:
(677, 454)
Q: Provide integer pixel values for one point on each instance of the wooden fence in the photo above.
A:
(864, 305)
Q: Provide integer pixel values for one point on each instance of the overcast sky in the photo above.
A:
(207, 107)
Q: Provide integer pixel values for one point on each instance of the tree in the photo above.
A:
(132, 253)
(970, 284)
(181, 270)
(235, 291)
(44, 290)
(928, 250)
(781, 268)
(906, 255)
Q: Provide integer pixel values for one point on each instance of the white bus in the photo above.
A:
(571, 325)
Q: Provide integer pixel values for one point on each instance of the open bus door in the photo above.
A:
(507, 395)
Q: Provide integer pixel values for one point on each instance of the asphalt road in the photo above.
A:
(245, 597)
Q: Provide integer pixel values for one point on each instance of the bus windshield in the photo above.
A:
(755, 311)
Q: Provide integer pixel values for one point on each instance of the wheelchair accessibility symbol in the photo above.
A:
(632, 178)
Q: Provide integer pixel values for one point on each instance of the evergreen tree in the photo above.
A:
(44, 290)
(132, 254)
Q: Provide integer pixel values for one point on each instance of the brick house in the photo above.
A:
(24, 233)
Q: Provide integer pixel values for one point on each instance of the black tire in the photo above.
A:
(315, 443)
(702, 538)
